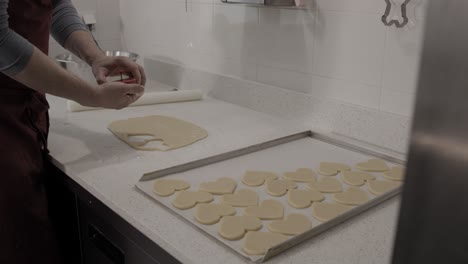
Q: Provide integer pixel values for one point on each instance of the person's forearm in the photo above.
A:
(44, 75)
(82, 44)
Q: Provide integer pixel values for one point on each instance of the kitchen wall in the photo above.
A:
(108, 24)
(337, 49)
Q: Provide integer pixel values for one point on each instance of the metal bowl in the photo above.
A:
(78, 67)
(132, 56)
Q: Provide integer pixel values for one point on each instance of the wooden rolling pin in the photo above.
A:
(149, 99)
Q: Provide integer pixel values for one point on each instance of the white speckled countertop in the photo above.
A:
(109, 169)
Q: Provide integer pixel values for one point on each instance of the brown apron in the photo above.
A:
(26, 234)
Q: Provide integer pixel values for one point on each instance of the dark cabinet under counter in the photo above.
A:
(89, 232)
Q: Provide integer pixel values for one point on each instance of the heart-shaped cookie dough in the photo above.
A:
(279, 187)
(375, 165)
(258, 243)
(381, 187)
(304, 198)
(167, 187)
(332, 168)
(356, 178)
(257, 178)
(352, 196)
(326, 211)
(268, 210)
(327, 185)
(242, 198)
(395, 174)
(188, 199)
(301, 175)
(209, 214)
(294, 224)
(234, 227)
(220, 186)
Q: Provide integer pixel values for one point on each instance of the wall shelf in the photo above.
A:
(283, 4)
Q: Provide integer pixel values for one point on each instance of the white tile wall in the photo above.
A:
(335, 49)
(108, 24)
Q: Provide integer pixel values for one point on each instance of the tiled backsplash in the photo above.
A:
(107, 30)
(336, 49)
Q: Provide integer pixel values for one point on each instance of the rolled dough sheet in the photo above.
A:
(174, 133)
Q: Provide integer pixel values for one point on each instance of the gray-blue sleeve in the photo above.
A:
(15, 51)
(65, 20)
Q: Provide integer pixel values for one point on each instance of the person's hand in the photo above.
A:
(115, 95)
(104, 67)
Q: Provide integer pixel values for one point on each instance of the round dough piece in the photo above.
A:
(352, 196)
(304, 198)
(258, 243)
(268, 210)
(395, 174)
(301, 175)
(356, 178)
(374, 165)
(381, 187)
(220, 186)
(326, 211)
(257, 178)
(279, 187)
(167, 187)
(327, 185)
(332, 168)
(294, 224)
(209, 214)
(234, 227)
(242, 198)
(188, 199)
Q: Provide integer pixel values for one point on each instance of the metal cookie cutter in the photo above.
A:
(395, 22)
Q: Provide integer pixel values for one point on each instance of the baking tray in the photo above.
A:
(301, 150)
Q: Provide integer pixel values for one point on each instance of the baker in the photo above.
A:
(27, 74)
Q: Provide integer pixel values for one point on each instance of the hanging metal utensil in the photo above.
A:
(395, 22)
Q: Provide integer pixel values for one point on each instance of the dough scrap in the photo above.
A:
(257, 178)
(304, 198)
(381, 187)
(395, 174)
(209, 214)
(173, 132)
(242, 198)
(352, 196)
(374, 165)
(326, 211)
(294, 224)
(268, 210)
(356, 178)
(301, 175)
(332, 168)
(234, 227)
(220, 186)
(188, 199)
(258, 243)
(327, 185)
(167, 187)
(279, 187)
